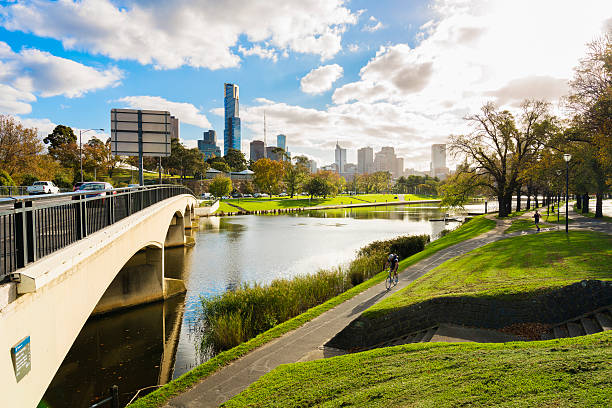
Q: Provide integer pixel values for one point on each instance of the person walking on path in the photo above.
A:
(536, 218)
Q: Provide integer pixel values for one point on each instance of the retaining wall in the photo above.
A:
(551, 307)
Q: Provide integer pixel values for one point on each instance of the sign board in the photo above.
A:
(20, 354)
(134, 131)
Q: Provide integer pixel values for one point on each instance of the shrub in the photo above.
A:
(29, 179)
(408, 245)
(5, 179)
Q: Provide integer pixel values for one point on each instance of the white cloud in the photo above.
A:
(185, 112)
(44, 126)
(374, 26)
(265, 53)
(321, 79)
(353, 47)
(31, 72)
(175, 33)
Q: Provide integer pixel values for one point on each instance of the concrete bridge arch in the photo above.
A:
(119, 266)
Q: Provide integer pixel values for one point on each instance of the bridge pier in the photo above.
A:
(175, 236)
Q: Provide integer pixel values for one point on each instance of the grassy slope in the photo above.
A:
(572, 372)
(475, 227)
(521, 264)
(253, 204)
(528, 224)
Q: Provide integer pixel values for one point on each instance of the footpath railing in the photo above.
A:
(32, 227)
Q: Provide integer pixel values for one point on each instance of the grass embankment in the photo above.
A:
(574, 372)
(471, 229)
(528, 223)
(265, 203)
(524, 265)
(592, 215)
(237, 316)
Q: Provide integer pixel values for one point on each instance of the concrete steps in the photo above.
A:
(589, 323)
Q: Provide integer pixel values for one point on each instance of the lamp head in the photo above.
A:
(567, 157)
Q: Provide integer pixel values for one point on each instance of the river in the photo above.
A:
(149, 345)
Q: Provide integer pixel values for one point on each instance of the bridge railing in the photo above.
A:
(32, 227)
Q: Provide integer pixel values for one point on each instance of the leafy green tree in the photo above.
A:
(61, 135)
(5, 179)
(184, 161)
(269, 175)
(220, 186)
(235, 160)
(296, 174)
(221, 166)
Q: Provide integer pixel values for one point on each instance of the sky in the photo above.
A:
(401, 73)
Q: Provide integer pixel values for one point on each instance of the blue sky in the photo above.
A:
(377, 73)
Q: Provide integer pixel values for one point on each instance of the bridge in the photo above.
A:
(68, 256)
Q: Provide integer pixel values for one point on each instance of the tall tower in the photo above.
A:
(281, 141)
(365, 160)
(231, 134)
(340, 158)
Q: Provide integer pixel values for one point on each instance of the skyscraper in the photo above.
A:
(340, 158)
(281, 141)
(258, 150)
(174, 127)
(231, 134)
(438, 161)
(365, 160)
(208, 145)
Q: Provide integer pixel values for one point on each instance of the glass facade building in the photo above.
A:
(281, 141)
(231, 134)
(208, 145)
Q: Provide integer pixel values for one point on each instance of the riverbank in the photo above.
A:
(315, 321)
(285, 204)
(534, 373)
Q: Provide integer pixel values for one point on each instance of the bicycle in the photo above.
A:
(391, 280)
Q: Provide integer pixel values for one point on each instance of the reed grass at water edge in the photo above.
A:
(237, 316)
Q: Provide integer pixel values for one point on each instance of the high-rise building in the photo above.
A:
(312, 166)
(399, 167)
(365, 160)
(340, 158)
(386, 160)
(174, 127)
(438, 161)
(258, 150)
(231, 134)
(275, 153)
(208, 145)
(281, 141)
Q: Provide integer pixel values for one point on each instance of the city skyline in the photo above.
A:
(401, 74)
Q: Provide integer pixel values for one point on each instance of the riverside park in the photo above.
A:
(314, 203)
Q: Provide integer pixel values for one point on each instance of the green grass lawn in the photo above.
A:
(592, 215)
(257, 204)
(518, 265)
(528, 224)
(573, 372)
(158, 398)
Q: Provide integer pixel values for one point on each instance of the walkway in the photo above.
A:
(306, 342)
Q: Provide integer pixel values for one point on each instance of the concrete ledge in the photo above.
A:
(550, 307)
(8, 293)
(173, 287)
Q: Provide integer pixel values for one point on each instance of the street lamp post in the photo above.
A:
(81, 131)
(567, 157)
(558, 200)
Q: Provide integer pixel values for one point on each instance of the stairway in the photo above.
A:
(590, 323)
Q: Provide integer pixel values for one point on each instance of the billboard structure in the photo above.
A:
(140, 133)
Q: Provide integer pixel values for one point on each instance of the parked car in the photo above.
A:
(283, 194)
(206, 196)
(237, 195)
(247, 196)
(77, 185)
(263, 195)
(226, 197)
(256, 195)
(91, 187)
(133, 185)
(43, 187)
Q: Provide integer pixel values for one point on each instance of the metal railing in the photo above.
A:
(32, 227)
(7, 191)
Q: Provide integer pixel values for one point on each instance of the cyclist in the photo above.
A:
(393, 263)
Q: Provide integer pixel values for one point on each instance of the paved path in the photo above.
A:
(306, 342)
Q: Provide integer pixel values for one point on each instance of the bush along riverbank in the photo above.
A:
(237, 316)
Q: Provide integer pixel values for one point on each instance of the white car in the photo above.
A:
(43, 187)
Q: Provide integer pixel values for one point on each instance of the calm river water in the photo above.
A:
(150, 345)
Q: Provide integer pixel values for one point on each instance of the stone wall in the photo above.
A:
(550, 307)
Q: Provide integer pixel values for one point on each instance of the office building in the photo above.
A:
(231, 134)
(174, 128)
(275, 153)
(257, 150)
(281, 141)
(312, 166)
(399, 167)
(438, 161)
(340, 158)
(330, 167)
(365, 160)
(208, 145)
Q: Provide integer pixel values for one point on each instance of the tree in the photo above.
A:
(18, 146)
(220, 186)
(235, 160)
(296, 174)
(269, 175)
(94, 154)
(221, 166)
(61, 135)
(324, 183)
(497, 150)
(590, 101)
(184, 161)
